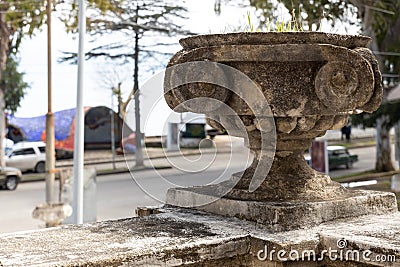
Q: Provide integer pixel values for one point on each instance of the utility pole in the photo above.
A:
(79, 125)
(50, 147)
(112, 129)
(52, 212)
(138, 134)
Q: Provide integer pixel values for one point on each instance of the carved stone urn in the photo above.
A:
(297, 85)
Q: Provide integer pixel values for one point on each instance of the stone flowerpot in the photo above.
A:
(279, 91)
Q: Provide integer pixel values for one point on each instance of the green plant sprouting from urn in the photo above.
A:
(293, 25)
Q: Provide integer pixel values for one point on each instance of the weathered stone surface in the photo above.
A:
(185, 237)
(292, 87)
(289, 67)
(165, 240)
(349, 41)
(285, 215)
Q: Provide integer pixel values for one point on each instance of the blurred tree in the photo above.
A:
(112, 77)
(381, 21)
(13, 84)
(378, 19)
(130, 22)
(17, 19)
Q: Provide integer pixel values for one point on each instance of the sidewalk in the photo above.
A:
(102, 159)
(223, 144)
(356, 133)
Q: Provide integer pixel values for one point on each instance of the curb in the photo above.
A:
(108, 160)
(38, 177)
(125, 170)
(367, 177)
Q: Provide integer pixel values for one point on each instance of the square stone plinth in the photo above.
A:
(285, 216)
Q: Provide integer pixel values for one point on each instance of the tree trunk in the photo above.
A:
(4, 46)
(383, 148)
(2, 128)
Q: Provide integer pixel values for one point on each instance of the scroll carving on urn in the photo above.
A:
(298, 86)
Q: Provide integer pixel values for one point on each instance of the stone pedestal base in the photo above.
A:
(285, 216)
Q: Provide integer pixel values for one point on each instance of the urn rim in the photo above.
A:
(271, 38)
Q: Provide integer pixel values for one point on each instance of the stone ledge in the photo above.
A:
(179, 236)
(286, 216)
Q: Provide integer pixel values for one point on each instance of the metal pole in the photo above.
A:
(79, 125)
(138, 134)
(397, 142)
(112, 130)
(50, 147)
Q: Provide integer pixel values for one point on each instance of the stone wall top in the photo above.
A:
(180, 236)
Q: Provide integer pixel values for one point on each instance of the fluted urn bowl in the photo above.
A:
(310, 83)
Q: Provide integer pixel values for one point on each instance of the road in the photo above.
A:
(366, 161)
(118, 195)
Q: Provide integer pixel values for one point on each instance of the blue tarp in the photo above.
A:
(33, 128)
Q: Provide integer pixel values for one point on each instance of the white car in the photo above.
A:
(7, 144)
(27, 156)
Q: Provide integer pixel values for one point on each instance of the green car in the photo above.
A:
(340, 156)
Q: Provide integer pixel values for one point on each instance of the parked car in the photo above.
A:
(28, 156)
(7, 144)
(338, 156)
(10, 177)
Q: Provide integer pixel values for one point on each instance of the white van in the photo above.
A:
(28, 156)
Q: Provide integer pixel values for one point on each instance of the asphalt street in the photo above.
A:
(118, 195)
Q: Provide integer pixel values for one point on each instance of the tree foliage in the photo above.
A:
(69, 11)
(22, 18)
(379, 19)
(310, 13)
(18, 19)
(13, 84)
(390, 109)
